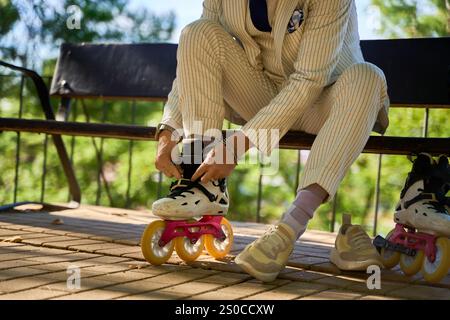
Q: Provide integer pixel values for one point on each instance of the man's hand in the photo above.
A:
(163, 161)
(222, 159)
(214, 166)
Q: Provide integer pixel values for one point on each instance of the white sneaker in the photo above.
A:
(189, 199)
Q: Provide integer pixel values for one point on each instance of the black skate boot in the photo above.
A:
(443, 168)
(422, 201)
(420, 238)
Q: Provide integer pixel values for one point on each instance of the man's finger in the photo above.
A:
(199, 172)
(167, 174)
(174, 171)
(207, 177)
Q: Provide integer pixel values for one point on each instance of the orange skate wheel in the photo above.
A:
(217, 248)
(435, 271)
(152, 251)
(411, 265)
(390, 258)
(188, 251)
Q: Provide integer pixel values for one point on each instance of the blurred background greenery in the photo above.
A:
(32, 29)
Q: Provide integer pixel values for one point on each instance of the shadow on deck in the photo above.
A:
(38, 247)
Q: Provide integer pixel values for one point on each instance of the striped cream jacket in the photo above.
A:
(302, 63)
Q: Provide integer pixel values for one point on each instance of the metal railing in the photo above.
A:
(103, 185)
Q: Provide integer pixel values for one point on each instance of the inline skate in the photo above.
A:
(420, 239)
(193, 219)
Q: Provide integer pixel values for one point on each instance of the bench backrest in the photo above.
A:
(417, 70)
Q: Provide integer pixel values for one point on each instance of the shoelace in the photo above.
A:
(361, 240)
(178, 187)
(268, 235)
(437, 206)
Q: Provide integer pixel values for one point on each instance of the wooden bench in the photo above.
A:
(417, 71)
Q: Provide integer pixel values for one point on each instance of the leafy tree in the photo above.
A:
(413, 18)
(30, 33)
(31, 30)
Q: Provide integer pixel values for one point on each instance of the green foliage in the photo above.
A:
(32, 30)
(10, 15)
(413, 18)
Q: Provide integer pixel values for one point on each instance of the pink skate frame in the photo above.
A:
(414, 240)
(184, 228)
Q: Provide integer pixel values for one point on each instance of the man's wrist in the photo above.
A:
(164, 130)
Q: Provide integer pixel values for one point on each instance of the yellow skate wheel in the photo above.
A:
(189, 251)
(435, 271)
(217, 248)
(411, 265)
(390, 258)
(152, 251)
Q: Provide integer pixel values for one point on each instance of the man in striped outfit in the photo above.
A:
(273, 66)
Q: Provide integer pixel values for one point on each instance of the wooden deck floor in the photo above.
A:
(36, 248)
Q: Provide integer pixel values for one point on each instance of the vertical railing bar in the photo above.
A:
(97, 153)
(100, 160)
(159, 187)
(72, 140)
(297, 173)
(160, 175)
(130, 157)
(44, 169)
(44, 161)
(426, 120)
(259, 199)
(18, 143)
(377, 195)
(334, 209)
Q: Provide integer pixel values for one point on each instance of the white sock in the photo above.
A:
(302, 209)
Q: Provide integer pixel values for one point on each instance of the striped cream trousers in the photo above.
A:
(215, 78)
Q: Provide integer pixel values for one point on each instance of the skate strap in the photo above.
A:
(422, 196)
(178, 187)
(434, 202)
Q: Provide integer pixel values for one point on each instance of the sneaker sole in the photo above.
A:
(263, 276)
(348, 265)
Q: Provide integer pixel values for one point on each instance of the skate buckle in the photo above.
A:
(379, 242)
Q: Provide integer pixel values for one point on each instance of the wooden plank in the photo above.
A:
(292, 140)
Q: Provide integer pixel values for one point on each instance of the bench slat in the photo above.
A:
(417, 70)
(292, 140)
(129, 71)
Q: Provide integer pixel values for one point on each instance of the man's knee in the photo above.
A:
(198, 32)
(363, 80)
(366, 74)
